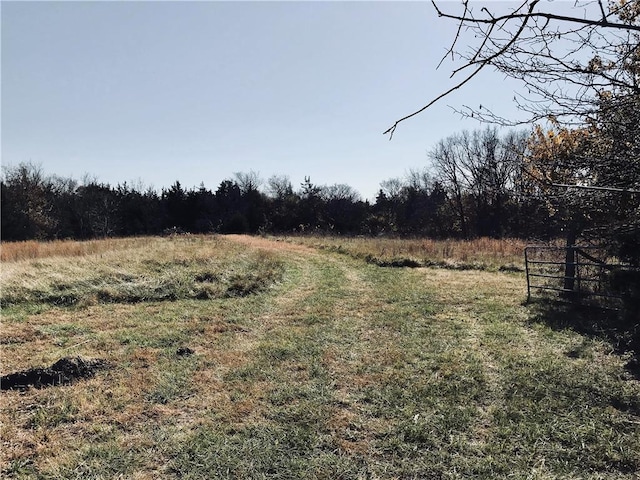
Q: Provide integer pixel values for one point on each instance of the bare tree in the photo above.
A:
(445, 158)
(480, 171)
(566, 63)
(419, 179)
(279, 186)
(248, 182)
(27, 212)
(339, 192)
(393, 187)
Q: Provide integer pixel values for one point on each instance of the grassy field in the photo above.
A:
(308, 361)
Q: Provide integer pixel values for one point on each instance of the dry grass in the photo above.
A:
(138, 270)
(481, 253)
(32, 249)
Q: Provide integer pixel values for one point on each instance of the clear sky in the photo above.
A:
(195, 91)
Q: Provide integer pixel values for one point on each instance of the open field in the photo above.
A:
(246, 357)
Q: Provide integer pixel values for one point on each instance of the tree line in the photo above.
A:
(477, 184)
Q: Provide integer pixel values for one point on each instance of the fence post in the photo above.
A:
(570, 262)
(526, 268)
(570, 269)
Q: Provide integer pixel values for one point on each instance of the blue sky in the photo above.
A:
(195, 91)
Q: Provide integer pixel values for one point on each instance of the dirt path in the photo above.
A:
(332, 300)
(356, 294)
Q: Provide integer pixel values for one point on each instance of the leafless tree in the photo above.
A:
(393, 187)
(419, 179)
(248, 182)
(482, 167)
(339, 192)
(566, 63)
(279, 186)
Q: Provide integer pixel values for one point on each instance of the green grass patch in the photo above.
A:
(173, 378)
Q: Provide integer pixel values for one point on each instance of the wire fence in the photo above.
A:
(577, 273)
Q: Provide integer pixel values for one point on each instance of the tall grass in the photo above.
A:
(33, 249)
(481, 253)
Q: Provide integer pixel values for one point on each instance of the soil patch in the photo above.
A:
(184, 352)
(63, 372)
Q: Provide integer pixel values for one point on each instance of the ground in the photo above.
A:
(333, 368)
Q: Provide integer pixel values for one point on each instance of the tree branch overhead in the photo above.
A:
(564, 62)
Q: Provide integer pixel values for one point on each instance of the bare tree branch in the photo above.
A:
(564, 62)
(484, 63)
(549, 16)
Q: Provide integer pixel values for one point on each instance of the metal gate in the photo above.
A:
(576, 272)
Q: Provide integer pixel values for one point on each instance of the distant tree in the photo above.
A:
(177, 212)
(202, 202)
(248, 181)
(279, 186)
(415, 205)
(438, 212)
(140, 212)
(479, 170)
(62, 198)
(417, 212)
(229, 204)
(309, 189)
(311, 207)
(96, 210)
(284, 205)
(392, 188)
(344, 209)
(27, 212)
(380, 219)
(253, 201)
(420, 180)
(445, 158)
